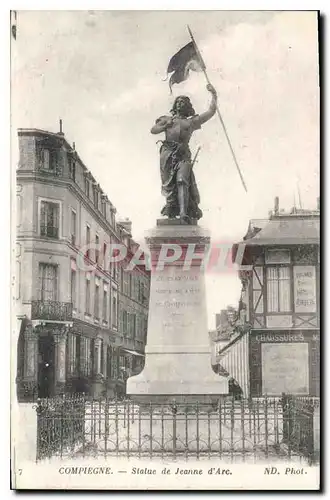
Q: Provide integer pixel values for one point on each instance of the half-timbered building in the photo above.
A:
(276, 348)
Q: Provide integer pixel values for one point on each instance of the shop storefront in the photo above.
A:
(284, 361)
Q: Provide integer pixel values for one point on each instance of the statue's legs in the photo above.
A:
(183, 184)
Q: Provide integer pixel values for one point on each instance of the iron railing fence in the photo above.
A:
(60, 425)
(228, 429)
(301, 426)
(51, 310)
(49, 231)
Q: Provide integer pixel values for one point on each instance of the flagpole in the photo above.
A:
(217, 109)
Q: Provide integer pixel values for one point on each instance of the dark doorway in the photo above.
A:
(46, 365)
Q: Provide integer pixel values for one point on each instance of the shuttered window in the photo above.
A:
(278, 289)
(49, 219)
(47, 282)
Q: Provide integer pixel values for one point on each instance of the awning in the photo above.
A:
(135, 353)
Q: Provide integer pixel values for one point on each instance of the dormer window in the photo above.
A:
(72, 169)
(86, 186)
(48, 160)
(96, 196)
(104, 206)
(45, 159)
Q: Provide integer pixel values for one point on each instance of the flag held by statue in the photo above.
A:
(182, 62)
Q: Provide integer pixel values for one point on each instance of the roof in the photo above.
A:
(290, 230)
(56, 136)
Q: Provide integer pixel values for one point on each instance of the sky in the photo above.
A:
(102, 73)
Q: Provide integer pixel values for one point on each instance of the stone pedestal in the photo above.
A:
(178, 351)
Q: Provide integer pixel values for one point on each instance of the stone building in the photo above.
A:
(276, 347)
(82, 320)
(224, 332)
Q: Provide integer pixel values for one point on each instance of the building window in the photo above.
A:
(278, 289)
(104, 208)
(109, 362)
(133, 326)
(98, 356)
(72, 169)
(85, 356)
(97, 251)
(88, 297)
(96, 197)
(97, 301)
(112, 217)
(125, 322)
(145, 329)
(86, 186)
(122, 367)
(44, 159)
(73, 227)
(114, 364)
(114, 311)
(73, 288)
(49, 219)
(47, 282)
(88, 241)
(126, 282)
(141, 292)
(102, 367)
(104, 262)
(48, 160)
(105, 306)
(73, 354)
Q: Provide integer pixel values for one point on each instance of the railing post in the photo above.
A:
(150, 428)
(174, 412)
(242, 426)
(232, 422)
(310, 434)
(106, 425)
(290, 427)
(220, 425)
(128, 427)
(39, 410)
(197, 430)
(266, 425)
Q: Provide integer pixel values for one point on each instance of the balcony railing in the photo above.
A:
(51, 310)
(49, 231)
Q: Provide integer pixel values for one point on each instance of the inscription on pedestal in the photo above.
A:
(178, 306)
(178, 356)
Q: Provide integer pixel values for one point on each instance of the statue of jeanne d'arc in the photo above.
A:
(178, 180)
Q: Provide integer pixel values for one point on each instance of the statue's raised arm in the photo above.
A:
(178, 181)
(204, 117)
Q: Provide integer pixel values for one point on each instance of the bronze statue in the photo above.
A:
(178, 180)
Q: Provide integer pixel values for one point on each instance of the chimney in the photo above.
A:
(61, 129)
(318, 203)
(276, 205)
(74, 146)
